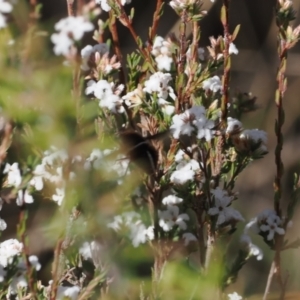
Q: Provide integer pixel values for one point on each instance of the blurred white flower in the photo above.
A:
(91, 250)
(59, 195)
(13, 174)
(9, 249)
(103, 90)
(68, 292)
(106, 7)
(23, 197)
(253, 250)
(233, 126)
(233, 49)
(235, 295)
(189, 237)
(69, 29)
(3, 225)
(2, 273)
(185, 171)
(170, 217)
(88, 50)
(5, 7)
(213, 83)
(37, 180)
(171, 200)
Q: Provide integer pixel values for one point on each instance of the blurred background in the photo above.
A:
(254, 70)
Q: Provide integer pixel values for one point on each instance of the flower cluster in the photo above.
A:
(222, 210)
(162, 52)
(107, 94)
(70, 30)
(130, 223)
(191, 121)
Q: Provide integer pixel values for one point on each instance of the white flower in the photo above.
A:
(222, 209)
(233, 126)
(116, 223)
(185, 171)
(235, 295)
(188, 237)
(90, 250)
(213, 83)
(37, 180)
(68, 292)
(34, 261)
(23, 197)
(106, 7)
(13, 174)
(62, 43)
(171, 217)
(161, 51)
(253, 250)
(171, 200)
(269, 223)
(18, 282)
(5, 7)
(59, 196)
(192, 120)
(233, 49)
(255, 134)
(88, 50)
(3, 225)
(9, 249)
(158, 83)
(69, 29)
(103, 90)
(204, 128)
(137, 231)
(181, 125)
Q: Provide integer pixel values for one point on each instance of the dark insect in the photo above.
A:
(139, 150)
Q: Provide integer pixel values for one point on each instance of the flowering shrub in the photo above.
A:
(136, 162)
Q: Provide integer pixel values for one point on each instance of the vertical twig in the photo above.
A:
(116, 44)
(181, 62)
(269, 281)
(227, 62)
(153, 29)
(70, 6)
(23, 235)
(123, 18)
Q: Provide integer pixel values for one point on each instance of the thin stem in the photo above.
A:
(116, 44)
(22, 232)
(156, 17)
(269, 281)
(181, 62)
(56, 268)
(127, 23)
(193, 61)
(226, 74)
(70, 6)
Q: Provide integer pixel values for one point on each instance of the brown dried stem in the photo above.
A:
(123, 18)
(156, 17)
